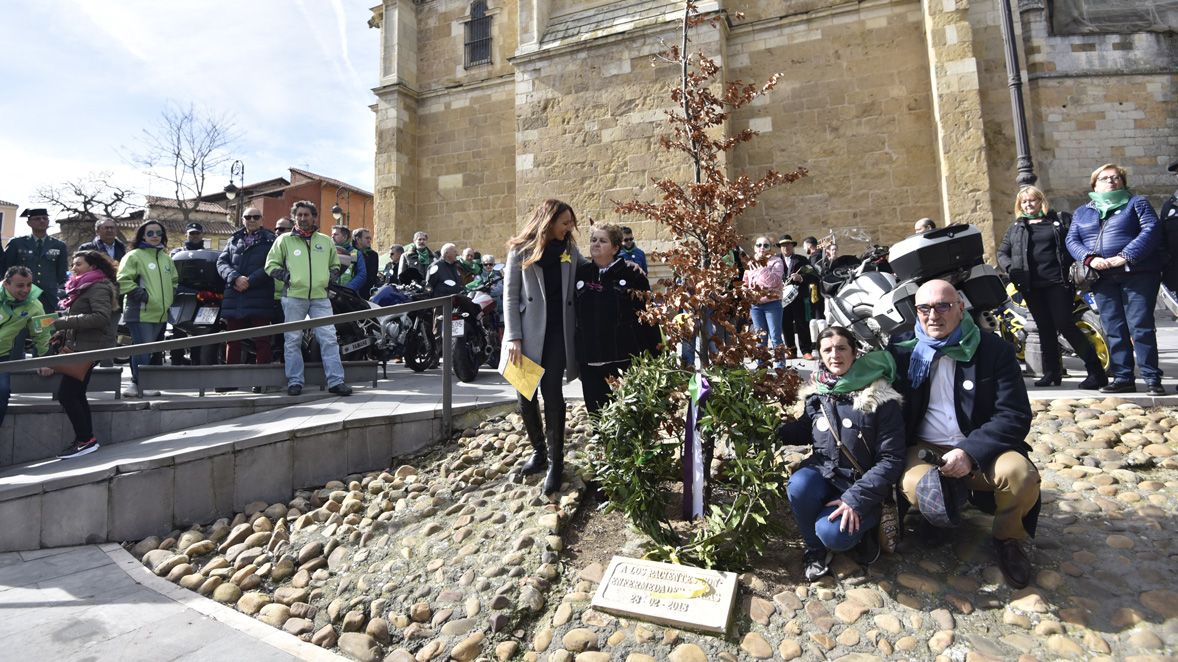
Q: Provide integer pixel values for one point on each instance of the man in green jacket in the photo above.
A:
(304, 262)
(20, 305)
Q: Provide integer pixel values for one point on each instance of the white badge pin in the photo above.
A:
(823, 426)
(621, 283)
(847, 423)
(967, 385)
(580, 284)
(297, 252)
(151, 265)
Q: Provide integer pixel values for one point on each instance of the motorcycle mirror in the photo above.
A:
(449, 282)
(497, 267)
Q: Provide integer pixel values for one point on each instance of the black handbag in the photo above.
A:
(1081, 275)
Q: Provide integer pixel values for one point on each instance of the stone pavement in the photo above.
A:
(97, 602)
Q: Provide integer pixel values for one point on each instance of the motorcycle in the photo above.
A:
(486, 290)
(196, 305)
(358, 341)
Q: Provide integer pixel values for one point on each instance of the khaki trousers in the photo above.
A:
(1013, 479)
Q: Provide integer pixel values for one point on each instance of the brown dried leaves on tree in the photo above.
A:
(701, 215)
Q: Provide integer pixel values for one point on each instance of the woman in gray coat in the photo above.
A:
(538, 323)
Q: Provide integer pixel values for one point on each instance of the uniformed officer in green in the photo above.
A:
(46, 257)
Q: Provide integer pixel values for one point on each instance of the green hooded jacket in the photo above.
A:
(17, 316)
(308, 261)
(153, 270)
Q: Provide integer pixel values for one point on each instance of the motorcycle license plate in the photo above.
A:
(457, 328)
(353, 346)
(206, 315)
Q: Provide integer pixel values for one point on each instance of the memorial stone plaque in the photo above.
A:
(676, 595)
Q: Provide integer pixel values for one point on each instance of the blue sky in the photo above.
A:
(83, 78)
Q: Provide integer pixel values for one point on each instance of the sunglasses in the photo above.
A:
(280, 229)
(153, 233)
(762, 245)
(253, 217)
(943, 307)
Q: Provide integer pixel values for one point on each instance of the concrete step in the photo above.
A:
(130, 490)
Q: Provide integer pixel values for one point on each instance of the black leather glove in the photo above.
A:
(281, 275)
(137, 296)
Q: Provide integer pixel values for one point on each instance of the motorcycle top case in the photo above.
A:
(198, 270)
(925, 256)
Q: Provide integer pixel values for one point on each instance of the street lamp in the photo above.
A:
(336, 211)
(236, 170)
(1026, 168)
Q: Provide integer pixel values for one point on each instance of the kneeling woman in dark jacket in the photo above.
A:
(835, 505)
(608, 331)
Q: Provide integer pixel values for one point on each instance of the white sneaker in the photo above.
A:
(132, 391)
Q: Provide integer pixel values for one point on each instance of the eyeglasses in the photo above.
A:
(762, 245)
(253, 217)
(153, 233)
(943, 307)
(281, 228)
(1109, 178)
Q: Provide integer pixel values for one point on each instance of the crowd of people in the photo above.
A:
(927, 424)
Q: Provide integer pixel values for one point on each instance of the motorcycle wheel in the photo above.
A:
(466, 365)
(1089, 324)
(418, 355)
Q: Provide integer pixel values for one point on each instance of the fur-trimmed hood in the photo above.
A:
(866, 400)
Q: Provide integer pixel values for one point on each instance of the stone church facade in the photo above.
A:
(898, 109)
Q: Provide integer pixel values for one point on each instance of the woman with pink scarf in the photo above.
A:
(766, 281)
(88, 320)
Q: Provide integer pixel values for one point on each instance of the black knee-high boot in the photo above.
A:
(530, 412)
(554, 424)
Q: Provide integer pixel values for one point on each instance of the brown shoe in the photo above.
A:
(791, 353)
(1013, 561)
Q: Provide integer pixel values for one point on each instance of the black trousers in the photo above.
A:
(793, 321)
(72, 396)
(1051, 307)
(594, 382)
(552, 383)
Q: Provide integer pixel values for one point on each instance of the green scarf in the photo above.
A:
(962, 350)
(1041, 214)
(1107, 202)
(865, 370)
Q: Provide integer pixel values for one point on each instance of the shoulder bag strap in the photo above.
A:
(837, 432)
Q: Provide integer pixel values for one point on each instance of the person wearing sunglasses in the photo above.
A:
(147, 279)
(1118, 234)
(249, 290)
(766, 280)
(965, 402)
(630, 251)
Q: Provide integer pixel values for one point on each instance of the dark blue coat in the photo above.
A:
(993, 411)
(237, 260)
(1132, 231)
(871, 428)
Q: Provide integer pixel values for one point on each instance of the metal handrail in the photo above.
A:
(97, 355)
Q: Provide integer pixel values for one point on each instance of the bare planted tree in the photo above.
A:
(90, 197)
(183, 148)
(701, 213)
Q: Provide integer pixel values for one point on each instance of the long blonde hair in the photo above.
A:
(536, 233)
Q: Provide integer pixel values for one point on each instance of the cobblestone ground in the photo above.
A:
(450, 557)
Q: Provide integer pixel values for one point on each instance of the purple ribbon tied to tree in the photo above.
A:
(695, 465)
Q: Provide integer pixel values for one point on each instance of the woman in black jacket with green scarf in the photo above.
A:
(1035, 256)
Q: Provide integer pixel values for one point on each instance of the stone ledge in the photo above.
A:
(266, 464)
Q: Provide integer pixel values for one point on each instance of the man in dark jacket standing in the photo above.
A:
(106, 240)
(798, 276)
(965, 401)
(46, 257)
(362, 240)
(249, 291)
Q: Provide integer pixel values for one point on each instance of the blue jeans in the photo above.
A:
(142, 332)
(808, 495)
(1126, 305)
(296, 310)
(767, 320)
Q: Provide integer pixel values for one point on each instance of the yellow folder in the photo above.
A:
(525, 378)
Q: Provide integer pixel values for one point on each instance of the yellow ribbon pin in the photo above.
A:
(566, 257)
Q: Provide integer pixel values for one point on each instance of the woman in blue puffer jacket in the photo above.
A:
(1118, 234)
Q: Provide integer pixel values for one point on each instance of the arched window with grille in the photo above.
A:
(478, 35)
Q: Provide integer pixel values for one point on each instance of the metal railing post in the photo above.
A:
(447, 368)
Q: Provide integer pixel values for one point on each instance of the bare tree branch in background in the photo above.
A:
(183, 148)
(89, 197)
